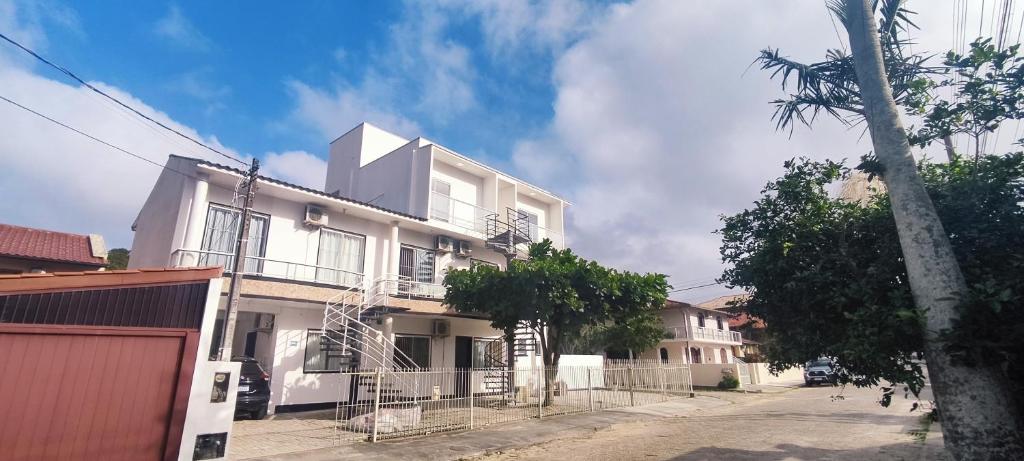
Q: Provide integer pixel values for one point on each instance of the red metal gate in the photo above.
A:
(93, 393)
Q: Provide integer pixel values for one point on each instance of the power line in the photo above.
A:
(695, 287)
(126, 106)
(105, 143)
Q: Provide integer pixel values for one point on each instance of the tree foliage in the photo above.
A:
(827, 276)
(117, 258)
(561, 296)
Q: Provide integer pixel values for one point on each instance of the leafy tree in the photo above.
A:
(117, 259)
(867, 85)
(559, 296)
(827, 275)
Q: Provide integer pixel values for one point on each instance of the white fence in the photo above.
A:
(384, 405)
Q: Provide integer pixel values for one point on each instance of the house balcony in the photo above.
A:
(465, 216)
(704, 334)
(258, 266)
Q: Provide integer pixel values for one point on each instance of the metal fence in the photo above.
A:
(382, 404)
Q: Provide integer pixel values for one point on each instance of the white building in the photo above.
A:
(372, 248)
(695, 335)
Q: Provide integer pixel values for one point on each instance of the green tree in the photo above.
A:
(117, 259)
(827, 275)
(868, 85)
(559, 296)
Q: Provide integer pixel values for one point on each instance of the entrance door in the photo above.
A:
(250, 344)
(463, 363)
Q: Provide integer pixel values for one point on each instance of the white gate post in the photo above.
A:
(590, 388)
(470, 371)
(376, 402)
(542, 392)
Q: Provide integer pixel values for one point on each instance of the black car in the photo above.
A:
(253, 389)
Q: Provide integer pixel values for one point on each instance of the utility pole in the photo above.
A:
(241, 245)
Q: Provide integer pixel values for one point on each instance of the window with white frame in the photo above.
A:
(221, 235)
(721, 324)
(340, 257)
(488, 353)
(441, 202)
(415, 351)
(324, 352)
(529, 224)
(473, 262)
(416, 270)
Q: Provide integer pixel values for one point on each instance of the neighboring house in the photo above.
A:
(695, 334)
(751, 328)
(349, 277)
(24, 249)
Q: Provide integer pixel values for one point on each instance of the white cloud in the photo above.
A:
(177, 28)
(509, 27)
(333, 112)
(660, 127)
(56, 179)
(297, 167)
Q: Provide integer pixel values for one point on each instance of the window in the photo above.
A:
(340, 257)
(664, 355)
(725, 355)
(528, 223)
(323, 352)
(721, 325)
(416, 264)
(415, 348)
(221, 235)
(488, 353)
(695, 355)
(700, 319)
(441, 202)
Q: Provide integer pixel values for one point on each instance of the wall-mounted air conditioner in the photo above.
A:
(440, 328)
(444, 243)
(315, 216)
(463, 249)
(264, 322)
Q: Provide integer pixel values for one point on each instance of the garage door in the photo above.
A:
(80, 393)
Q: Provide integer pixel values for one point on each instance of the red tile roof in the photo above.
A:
(60, 281)
(28, 243)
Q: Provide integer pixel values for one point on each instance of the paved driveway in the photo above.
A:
(801, 424)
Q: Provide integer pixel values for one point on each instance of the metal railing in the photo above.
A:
(398, 286)
(704, 333)
(456, 212)
(267, 267)
(465, 398)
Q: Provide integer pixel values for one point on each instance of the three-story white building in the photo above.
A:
(368, 252)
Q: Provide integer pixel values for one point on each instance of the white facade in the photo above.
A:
(384, 209)
(695, 335)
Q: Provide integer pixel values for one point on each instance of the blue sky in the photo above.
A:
(644, 113)
(227, 69)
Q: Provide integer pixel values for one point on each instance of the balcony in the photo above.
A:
(404, 287)
(270, 268)
(704, 334)
(464, 215)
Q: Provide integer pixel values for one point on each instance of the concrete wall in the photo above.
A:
(160, 224)
(759, 374)
(356, 148)
(709, 375)
(202, 416)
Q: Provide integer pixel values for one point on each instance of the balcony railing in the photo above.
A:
(271, 268)
(404, 287)
(466, 215)
(704, 334)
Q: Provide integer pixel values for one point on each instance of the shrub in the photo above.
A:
(728, 382)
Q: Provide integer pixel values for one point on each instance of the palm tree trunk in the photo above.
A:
(978, 420)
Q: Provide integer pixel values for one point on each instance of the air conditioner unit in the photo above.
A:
(444, 243)
(463, 249)
(441, 328)
(315, 216)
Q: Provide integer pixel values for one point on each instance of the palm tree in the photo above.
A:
(867, 85)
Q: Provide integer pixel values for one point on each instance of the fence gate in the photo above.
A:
(744, 372)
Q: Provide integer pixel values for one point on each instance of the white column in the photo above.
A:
(392, 267)
(196, 223)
